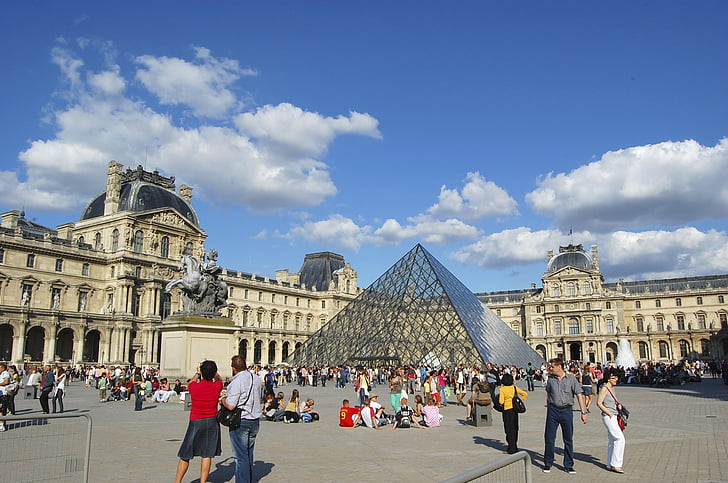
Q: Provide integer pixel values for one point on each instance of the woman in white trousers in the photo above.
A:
(609, 405)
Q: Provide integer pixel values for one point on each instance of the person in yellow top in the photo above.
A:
(510, 416)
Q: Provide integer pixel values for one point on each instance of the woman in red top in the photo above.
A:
(203, 432)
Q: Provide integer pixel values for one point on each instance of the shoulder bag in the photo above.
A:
(622, 414)
(231, 417)
(518, 405)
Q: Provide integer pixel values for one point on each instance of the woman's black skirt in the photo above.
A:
(202, 439)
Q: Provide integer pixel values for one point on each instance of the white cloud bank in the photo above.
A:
(478, 199)
(266, 159)
(665, 184)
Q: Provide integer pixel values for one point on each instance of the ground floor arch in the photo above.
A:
(91, 345)
(6, 342)
(64, 345)
(35, 344)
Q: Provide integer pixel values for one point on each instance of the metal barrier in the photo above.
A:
(512, 468)
(46, 447)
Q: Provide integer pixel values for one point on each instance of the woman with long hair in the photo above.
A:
(60, 388)
(291, 415)
(203, 431)
(609, 405)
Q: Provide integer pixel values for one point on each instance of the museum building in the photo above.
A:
(575, 315)
(94, 290)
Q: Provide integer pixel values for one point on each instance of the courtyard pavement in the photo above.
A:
(675, 434)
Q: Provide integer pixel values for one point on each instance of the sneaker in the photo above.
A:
(2, 427)
(571, 471)
(546, 469)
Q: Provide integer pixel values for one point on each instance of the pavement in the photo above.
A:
(675, 434)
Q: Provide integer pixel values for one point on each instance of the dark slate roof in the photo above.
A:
(139, 196)
(671, 284)
(33, 228)
(506, 296)
(318, 269)
(570, 256)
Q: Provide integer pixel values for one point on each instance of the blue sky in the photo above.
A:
(484, 130)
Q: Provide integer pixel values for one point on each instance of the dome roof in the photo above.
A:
(139, 196)
(571, 256)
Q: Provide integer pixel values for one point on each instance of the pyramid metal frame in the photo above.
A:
(417, 312)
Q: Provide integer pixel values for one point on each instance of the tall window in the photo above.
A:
(642, 347)
(658, 303)
(684, 348)
(610, 325)
(2, 255)
(589, 326)
(640, 324)
(30, 260)
(608, 305)
(538, 309)
(115, 240)
(245, 317)
(700, 300)
(164, 250)
(555, 290)
(138, 241)
(587, 288)
(556, 308)
(323, 304)
(663, 349)
(516, 327)
(572, 289)
(573, 326)
(680, 322)
(97, 241)
(246, 294)
(260, 296)
(723, 321)
(704, 347)
(721, 299)
(272, 298)
(59, 264)
(539, 328)
(557, 327)
(660, 323)
(701, 321)
(638, 304)
(678, 302)
(588, 305)
(84, 269)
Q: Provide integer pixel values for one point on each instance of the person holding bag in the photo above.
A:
(203, 432)
(610, 407)
(508, 393)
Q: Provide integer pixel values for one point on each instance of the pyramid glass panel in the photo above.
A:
(416, 313)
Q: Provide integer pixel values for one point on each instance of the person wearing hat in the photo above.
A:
(378, 408)
(510, 416)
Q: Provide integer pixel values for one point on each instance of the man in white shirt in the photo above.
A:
(4, 383)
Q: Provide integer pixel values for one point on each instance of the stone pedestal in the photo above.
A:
(188, 340)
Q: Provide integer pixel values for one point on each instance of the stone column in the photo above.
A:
(18, 345)
(79, 345)
(49, 350)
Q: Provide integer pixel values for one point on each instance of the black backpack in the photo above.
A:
(404, 415)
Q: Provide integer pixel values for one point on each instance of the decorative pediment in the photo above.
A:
(57, 283)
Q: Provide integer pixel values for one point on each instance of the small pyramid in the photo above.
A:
(417, 312)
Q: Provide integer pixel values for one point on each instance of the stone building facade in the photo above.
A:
(93, 290)
(577, 316)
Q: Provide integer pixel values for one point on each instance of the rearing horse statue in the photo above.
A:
(202, 292)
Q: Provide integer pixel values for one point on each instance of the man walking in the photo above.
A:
(48, 379)
(530, 372)
(244, 391)
(561, 388)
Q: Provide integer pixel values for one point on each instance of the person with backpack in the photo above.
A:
(530, 373)
(405, 416)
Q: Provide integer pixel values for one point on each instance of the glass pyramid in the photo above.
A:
(416, 313)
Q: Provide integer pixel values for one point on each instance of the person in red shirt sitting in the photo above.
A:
(203, 432)
(347, 415)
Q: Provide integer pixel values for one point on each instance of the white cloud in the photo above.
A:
(98, 123)
(202, 85)
(629, 255)
(288, 128)
(479, 199)
(427, 229)
(665, 184)
(336, 230)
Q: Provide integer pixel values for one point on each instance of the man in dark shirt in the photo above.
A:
(561, 388)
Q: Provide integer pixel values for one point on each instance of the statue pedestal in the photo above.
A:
(188, 340)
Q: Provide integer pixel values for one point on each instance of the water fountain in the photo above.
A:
(625, 357)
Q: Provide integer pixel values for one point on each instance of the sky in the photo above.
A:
(489, 132)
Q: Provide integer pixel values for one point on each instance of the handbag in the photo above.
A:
(622, 414)
(518, 405)
(231, 417)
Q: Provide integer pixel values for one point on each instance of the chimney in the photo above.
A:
(113, 188)
(10, 219)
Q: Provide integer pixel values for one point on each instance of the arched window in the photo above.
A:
(587, 288)
(555, 290)
(97, 241)
(574, 326)
(640, 324)
(138, 241)
(115, 240)
(684, 348)
(704, 347)
(608, 305)
(539, 328)
(257, 351)
(572, 289)
(610, 325)
(164, 250)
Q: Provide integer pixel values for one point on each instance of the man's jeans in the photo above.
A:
(243, 443)
(554, 418)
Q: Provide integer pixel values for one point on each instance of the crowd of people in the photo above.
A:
(416, 395)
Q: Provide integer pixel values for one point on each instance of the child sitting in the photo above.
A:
(431, 413)
(405, 416)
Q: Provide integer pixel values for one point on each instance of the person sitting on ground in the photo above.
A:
(163, 394)
(291, 415)
(368, 416)
(269, 407)
(307, 413)
(348, 416)
(405, 416)
(431, 414)
(178, 387)
(481, 395)
(378, 408)
(417, 408)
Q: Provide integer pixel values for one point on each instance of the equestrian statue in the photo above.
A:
(203, 292)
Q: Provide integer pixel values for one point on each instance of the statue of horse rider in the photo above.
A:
(203, 293)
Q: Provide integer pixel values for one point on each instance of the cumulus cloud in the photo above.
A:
(427, 229)
(479, 199)
(630, 255)
(665, 184)
(337, 230)
(99, 122)
(203, 85)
